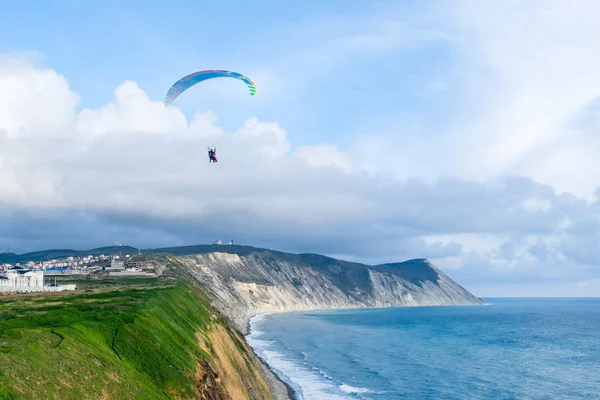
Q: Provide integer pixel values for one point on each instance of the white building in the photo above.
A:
(18, 279)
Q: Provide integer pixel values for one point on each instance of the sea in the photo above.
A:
(527, 348)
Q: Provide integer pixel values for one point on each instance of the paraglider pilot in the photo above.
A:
(212, 155)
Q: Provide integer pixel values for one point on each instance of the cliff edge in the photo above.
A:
(244, 284)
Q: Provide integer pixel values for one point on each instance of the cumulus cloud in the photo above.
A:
(132, 112)
(33, 101)
(137, 171)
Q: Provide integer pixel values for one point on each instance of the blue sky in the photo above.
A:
(319, 90)
(464, 132)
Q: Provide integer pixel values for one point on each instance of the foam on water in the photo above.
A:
(351, 389)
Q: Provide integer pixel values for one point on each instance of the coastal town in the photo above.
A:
(40, 276)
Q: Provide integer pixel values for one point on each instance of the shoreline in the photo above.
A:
(291, 392)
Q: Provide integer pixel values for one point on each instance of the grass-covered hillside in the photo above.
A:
(123, 339)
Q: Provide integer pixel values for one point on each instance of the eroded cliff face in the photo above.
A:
(233, 372)
(265, 281)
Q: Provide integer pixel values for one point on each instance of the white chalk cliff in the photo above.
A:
(243, 283)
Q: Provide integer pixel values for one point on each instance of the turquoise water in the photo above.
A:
(509, 349)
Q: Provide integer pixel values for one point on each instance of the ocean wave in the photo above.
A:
(351, 389)
(322, 373)
(262, 344)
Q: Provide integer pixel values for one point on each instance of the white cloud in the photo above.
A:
(534, 204)
(132, 112)
(33, 101)
(324, 155)
(264, 138)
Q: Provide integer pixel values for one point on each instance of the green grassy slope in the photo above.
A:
(133, 340)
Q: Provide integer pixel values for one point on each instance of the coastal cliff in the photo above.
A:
(244, 284)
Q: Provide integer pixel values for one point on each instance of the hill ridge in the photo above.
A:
(185, 250)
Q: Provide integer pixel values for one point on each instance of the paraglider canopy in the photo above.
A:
(190, 80)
